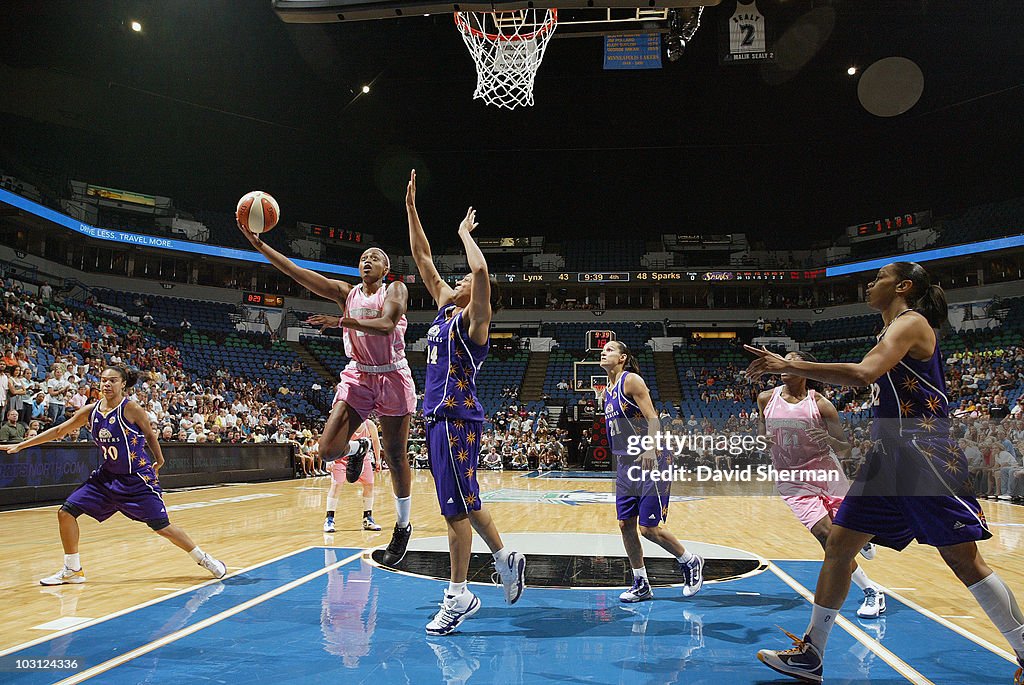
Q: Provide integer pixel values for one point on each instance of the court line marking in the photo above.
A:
(976, 639)
(898, 664)
(143, 605)
(205, 623)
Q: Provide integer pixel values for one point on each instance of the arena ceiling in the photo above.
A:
(217, 97)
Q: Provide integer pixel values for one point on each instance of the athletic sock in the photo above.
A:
(685, 557)
(368, 503)
(456, 589)
(332, 505)
(197, 554)
(640, 572)
(72, 562)
(822, 620)
(998, 602)
(861, 580)
(402, 507)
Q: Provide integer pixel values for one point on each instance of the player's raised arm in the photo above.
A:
(326, 288)
(396, 302)
(420, 246)
(478, 311)
(80, 418)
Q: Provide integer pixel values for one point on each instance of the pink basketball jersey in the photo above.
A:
(372, 350)
(787, 425)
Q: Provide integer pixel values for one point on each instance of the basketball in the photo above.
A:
(257, 211)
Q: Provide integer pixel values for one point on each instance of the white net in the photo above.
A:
(507, 48)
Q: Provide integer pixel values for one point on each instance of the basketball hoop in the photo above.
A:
(507, 48)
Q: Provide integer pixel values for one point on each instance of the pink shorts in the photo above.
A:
(811, 508)
(386, 394)
(338, 471)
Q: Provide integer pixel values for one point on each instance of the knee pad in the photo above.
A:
(71, 509)
(158, 524)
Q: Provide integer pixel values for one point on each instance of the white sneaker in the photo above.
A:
(868, 551)
(63, 576)
(874, 604)
(511, 576)
(329, 524)
(218, 569)
(640, 592)
(454, 610)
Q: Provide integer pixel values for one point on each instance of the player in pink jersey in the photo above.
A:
(377, 380)
(803, 429)
(338, 468)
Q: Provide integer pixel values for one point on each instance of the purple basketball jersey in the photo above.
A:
(453, 361)
(122, 443)
(622, 417)
(910, 399)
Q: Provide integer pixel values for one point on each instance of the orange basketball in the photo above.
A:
(257, 211)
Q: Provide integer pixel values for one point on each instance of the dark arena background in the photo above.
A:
(687, 180)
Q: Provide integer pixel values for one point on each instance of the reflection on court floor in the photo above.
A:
(325, 615)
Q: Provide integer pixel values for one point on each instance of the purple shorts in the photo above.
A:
(895, 515)
(136, 495)
(645, 499)
(453, 447)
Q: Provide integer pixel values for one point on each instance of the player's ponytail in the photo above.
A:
(631, 363)
(129, 376)
(497, 302)
(926, 298)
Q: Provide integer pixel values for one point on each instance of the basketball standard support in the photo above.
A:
(328, 11)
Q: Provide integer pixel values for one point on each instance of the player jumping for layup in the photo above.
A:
(457, 345)
(376, 380)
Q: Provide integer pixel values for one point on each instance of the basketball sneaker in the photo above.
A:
(802, 662)
(873, 605)
(454, 610)
(64, 576)
(395, 551)
(640, 592)
(217, 568)
(511, 576)
(868, 551)
(370, 524)
(354, 468)
(693, 575)
(329, 524)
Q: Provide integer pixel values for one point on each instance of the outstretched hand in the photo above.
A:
(469, 223)
(11, 449)
(253, 239)
(410, 190)
(766, 362)
(324, 321)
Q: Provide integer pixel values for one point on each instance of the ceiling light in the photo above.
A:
(136, 26)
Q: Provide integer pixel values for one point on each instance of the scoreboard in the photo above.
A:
(652, 277)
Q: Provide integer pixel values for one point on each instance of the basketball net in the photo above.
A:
(507, 48)
(599, 394)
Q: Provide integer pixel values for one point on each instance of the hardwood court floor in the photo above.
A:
(244, 525)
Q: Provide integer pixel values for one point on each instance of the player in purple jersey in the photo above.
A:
(639, 499)
(127, 481)
(457, 345)
(904, 370)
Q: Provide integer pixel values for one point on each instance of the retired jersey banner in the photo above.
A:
(640, 51)
(744, 36)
